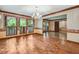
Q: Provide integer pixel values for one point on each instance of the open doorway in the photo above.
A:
(56, 26)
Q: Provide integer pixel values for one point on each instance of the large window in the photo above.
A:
(11, 25)
(23, 25)
(30, 25)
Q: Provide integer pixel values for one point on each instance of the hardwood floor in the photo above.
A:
(37, 44)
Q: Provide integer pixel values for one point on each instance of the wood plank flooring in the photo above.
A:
(37, 44)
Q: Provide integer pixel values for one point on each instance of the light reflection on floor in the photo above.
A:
(61, 36)
(55, 34)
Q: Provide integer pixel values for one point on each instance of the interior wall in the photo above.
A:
(2, 27)
(62, 25)
(35, 23)
(73, 24)
(1, 21)
(51, 26)
(73, 19)
(38, 22)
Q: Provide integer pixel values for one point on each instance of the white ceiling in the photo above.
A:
(30, 9)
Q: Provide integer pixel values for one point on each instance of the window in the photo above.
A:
(30, 25)
(30, 22)
(11, 21)
(23, 22)
(23, 25)
(11, 25)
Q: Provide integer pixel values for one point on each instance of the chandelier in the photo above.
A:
(36, 14)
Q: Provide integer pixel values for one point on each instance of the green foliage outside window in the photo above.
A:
(22, 22)
(11, 21)
(30, 22)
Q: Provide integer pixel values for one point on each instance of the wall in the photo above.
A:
(73, 19)
(62, 25)
(1, 21)
(2, 27)
(51, 25)
(38, 23)
(73, 24)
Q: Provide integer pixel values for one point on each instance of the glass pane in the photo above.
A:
(22, 22)
(30, 29)
(11, 21)
(30, 22)
(30, 25)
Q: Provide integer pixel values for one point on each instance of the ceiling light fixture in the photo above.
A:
(36, 14)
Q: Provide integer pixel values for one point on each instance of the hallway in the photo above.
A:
(38, 44)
